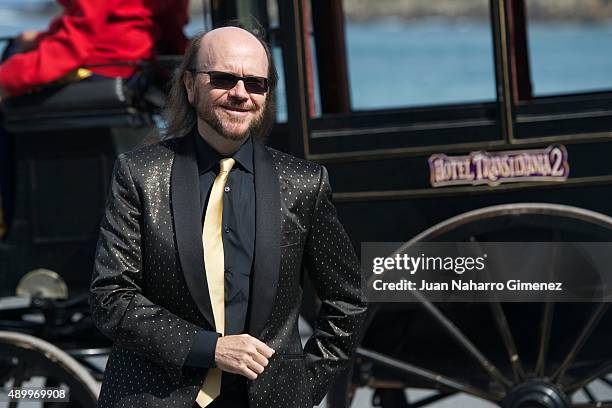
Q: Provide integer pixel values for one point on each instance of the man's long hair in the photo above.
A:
(181, 116)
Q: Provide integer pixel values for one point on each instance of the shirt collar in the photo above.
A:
(208, 157)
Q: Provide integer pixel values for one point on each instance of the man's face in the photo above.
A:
(232, 113)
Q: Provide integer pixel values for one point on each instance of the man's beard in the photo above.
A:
(208, 114)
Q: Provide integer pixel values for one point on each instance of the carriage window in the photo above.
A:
(281, 100)
(277, 56)
(199, 18)
(418, 53)
(569, 47)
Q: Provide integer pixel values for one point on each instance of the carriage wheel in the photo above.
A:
(539, 379)
(23, 357)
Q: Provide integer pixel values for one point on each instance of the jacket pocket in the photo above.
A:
(291, 356)
(291, 237)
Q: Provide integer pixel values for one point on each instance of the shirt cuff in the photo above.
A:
(202, 353)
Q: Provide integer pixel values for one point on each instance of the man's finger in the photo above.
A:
(260, 359)
(255, 366)
(248, 373)
(263, 348)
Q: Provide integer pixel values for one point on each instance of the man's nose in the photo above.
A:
(239, 91)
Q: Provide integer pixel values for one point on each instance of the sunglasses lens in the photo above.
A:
(256, 85)
(225, 80)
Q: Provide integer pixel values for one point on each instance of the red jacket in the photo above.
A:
(92, 32)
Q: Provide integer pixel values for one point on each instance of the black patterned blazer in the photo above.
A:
(149, 292)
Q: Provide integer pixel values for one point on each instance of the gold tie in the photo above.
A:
(215, 273)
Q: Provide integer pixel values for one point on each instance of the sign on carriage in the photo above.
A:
(494, 168)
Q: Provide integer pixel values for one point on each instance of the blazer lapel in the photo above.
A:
(266, 261)
(184, 191)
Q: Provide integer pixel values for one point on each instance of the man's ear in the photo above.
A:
(188, 83)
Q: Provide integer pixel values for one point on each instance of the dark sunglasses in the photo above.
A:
(226, 80)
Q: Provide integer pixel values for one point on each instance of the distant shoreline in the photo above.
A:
(454, 11)
(374, 18)
(553, 11)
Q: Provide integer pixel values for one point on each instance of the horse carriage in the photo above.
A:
(397, 177)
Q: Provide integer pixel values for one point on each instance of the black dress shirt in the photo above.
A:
(238, 234)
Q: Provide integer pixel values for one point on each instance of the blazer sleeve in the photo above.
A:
(335, 272)
(119, 308)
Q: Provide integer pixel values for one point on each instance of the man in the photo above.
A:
(198, 270)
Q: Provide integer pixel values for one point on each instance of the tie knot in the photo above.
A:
(226, 164)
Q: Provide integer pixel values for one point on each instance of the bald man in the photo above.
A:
(198, 269)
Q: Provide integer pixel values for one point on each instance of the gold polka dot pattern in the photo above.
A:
(140, 298)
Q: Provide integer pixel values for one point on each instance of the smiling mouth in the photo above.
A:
(236, 109)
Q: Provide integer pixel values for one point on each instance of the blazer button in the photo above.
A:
(227, 230)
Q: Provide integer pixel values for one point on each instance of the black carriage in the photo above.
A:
(65, 140)
(396, 178)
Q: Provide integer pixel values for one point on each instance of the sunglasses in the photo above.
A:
(226, 80)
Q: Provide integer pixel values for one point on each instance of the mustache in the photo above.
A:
(229, 103)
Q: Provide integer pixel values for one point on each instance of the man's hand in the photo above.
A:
(242, 354)
(25, 41)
